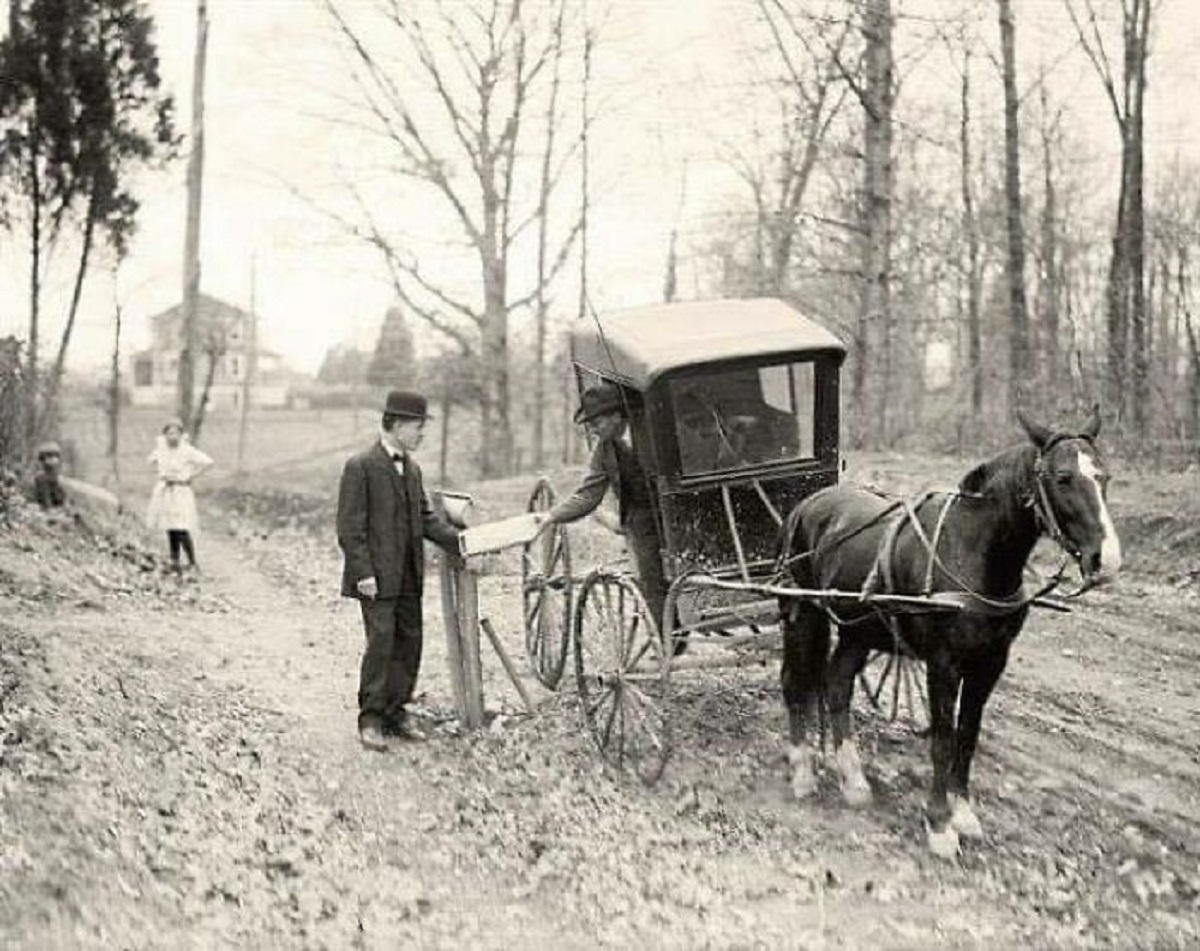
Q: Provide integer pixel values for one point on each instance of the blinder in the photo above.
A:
(1039, 499)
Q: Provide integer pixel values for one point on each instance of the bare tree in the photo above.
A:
(812, 91)
(1125, 296)
(458, 121)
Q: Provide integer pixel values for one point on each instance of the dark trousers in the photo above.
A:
(641, 535)
(391, 660)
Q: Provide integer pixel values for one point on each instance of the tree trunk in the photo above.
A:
(202, 406)
(971, 234)
(35, 290)
(1116, 300)
(1018, 315)
(248, 371)
(1137, 26)
(494, 404)
(54, 382)
(1049, 289)
(874, 313)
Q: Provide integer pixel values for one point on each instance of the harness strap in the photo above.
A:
(881, 578)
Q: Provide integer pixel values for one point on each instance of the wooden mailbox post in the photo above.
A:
(460, 607)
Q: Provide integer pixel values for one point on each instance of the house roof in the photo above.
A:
(639, 344)
(209, 309)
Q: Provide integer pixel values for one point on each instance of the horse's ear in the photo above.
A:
(1091, 429)
(975, 481)
(1038, 434)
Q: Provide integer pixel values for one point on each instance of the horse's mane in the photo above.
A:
(1006, 477)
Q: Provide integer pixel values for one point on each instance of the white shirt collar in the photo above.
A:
(389, 446)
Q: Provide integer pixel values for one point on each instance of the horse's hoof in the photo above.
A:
(804, 784)
(804, 777)
(943, 844)
(963, 819)
(855, 789)
(858, 795)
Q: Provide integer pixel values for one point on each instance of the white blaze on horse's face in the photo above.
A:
(1110, 544)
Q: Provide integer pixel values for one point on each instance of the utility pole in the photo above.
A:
(250, 365)
(114, 387)
(191, 243)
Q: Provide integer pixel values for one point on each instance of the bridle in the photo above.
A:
(1043, 510)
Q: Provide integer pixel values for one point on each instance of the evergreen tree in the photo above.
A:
(394, 360)
(81, 107)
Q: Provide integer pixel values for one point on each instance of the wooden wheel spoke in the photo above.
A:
(532, 612)
(557, 551)
(920, 685)
(628, 634)
(640, 701)
(883, 679)
(605, 692)
(612, 715)
(647, 643)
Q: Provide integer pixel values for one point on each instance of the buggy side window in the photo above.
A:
(733, 418)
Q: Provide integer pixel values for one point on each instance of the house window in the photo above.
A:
(143, 371)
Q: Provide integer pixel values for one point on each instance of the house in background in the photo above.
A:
(225, 336)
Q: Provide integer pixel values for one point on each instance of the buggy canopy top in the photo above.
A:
(639, 344)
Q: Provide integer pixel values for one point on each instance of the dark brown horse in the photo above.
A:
(970, 546)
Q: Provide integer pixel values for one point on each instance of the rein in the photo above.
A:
(881, 577)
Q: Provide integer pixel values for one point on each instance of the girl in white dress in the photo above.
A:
(172, 503)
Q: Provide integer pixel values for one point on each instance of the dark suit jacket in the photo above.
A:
(381, 520)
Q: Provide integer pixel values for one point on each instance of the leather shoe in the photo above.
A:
(405, 729)
(371, 738)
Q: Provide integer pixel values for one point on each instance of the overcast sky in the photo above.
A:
(673, 74)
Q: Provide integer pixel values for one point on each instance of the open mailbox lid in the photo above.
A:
(494, 536)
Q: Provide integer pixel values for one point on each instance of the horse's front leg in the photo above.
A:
(978, 681)
(848, 659)
(805, 649)
(943, 681)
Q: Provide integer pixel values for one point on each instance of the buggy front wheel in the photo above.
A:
(546, 589)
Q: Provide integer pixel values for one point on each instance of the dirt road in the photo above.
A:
(183, 772)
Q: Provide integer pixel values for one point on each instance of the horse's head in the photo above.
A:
(1070, 497)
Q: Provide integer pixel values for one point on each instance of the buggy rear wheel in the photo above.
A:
(894, 685)
(546, 587)
(623, 675)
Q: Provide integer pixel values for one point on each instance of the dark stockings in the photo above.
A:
(180, 540)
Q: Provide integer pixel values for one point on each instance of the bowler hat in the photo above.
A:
(598, 400)
(406, 403)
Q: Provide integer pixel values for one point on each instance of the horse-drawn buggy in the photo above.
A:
(733, 419)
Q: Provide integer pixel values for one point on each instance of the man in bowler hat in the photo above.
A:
(383, 515)
(603, 411)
